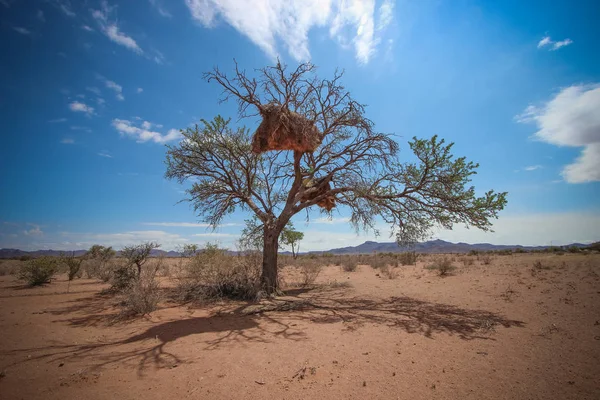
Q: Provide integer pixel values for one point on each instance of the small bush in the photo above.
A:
(442, 265)
(467, 261)
(408, 258)
(538, 265)
(123, 277)
(377, 263)
(350, 265)
(309, 271)
(143, 295)
(211, 274)
(38, 271)
(389, 272)
(486, 259)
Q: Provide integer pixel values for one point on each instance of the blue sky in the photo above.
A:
(92, 91)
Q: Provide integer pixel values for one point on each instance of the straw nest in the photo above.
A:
(316, 188)
(282, 129)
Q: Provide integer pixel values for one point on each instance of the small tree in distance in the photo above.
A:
(291, 237)
(138, 254)
(356, 165)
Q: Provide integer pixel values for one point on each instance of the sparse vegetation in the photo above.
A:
(143, 293)
(443, 265)
(389, 271)
(211, 275)
(486, 259)
(38, 271)
(349, 265)
(408, 258)
(309, 272)
(138, 255)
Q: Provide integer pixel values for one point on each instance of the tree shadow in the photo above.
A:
(259, 323)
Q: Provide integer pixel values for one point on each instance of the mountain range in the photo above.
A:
(432, 246)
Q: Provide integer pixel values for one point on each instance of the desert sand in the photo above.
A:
(505, 330)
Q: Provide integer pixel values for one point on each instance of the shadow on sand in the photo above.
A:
(288, 317)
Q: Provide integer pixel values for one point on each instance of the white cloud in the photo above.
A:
(67, 141)
(94, 90)
(571, 118)
(77, 106)
(57, 120)
(139, 90)
(40, 16)
(267, 22)
(118, 89)
(552, 45)
(158, 7)
(532, 167)
(87, 28)
(327, 220)
(64, 6)
(141, 135)
(35, 231)
(186, 224)
(21, 30)
(112, 31)
(216, 234)
(105, 154)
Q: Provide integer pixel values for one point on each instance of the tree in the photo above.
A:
(354, 163)
(138, 254)
(291, 237)
(252, 235)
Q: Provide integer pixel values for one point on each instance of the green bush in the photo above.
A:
(38, 271)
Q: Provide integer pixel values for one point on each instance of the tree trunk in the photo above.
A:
(268, 279)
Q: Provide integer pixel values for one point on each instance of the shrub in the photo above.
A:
(408, 258)
(350, 265)
(443, 265)
(309, 271)
(38, 271)
(377, 263)
(486, 259)
(122, 278)
(143, 295)
(466, 260)
(212, 274)
(389, 272)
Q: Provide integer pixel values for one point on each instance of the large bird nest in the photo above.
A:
(315, 188)
(282, 129)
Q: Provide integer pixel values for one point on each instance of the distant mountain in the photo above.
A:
(432, 246)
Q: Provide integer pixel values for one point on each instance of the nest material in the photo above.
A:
(322, 187)
(282, 129)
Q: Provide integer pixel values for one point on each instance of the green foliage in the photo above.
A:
(38, 271)
(138, 254)
(73, 264)
(291, 237)
(123, 278)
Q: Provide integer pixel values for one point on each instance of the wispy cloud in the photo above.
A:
(186, 224)
(57, 120)
(94, 90)
(266, 22)
(64, 6)
(40, 16)
(112, 30)
(118, 89)
(139, 90)
(78, 106)
(327, 220)
(571, 118)
(87, 28)
(22, 30)
(67, 141)
(547, 42)
(156, 4)
(104, 154)
(143, 133)
(532, 167)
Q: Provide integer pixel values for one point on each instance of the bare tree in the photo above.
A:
(354, 163)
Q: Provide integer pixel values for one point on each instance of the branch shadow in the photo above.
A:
(258, 323)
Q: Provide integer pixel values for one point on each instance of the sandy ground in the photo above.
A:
(498, 331)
